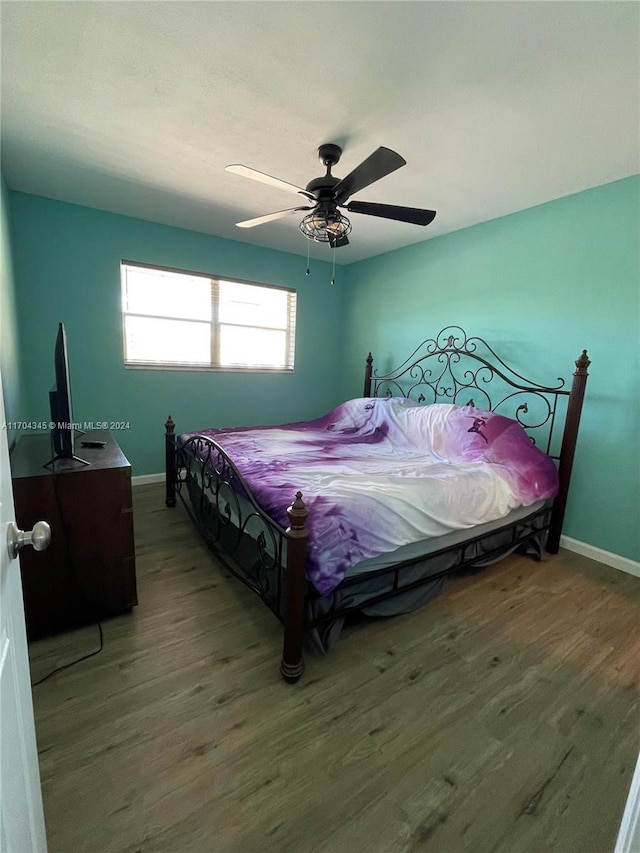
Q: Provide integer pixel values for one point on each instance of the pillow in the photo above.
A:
(473, 434)
(354, 415)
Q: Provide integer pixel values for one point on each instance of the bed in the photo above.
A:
(306, 516)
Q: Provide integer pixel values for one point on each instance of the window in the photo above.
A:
(184, 319)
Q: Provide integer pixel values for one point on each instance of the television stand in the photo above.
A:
(70, 458)
(88, 571)
(58, 457)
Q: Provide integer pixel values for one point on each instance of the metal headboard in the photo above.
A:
(454, 367)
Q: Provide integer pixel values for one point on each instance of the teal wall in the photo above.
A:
(541, 285)
(9, 346)
(68, 269)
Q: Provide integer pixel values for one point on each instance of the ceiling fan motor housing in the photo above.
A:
(322, 187)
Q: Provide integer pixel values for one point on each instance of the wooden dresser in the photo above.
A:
(88, 571)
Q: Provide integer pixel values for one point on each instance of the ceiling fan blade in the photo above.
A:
(336, 244)
(269, 217)
(414, 215)
(382, 162)
(246, 172)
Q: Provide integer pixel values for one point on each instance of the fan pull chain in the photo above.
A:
(333, 271)
(308, 270)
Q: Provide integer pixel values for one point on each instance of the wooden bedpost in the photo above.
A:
(292, 664)
(367, 376)
(170, 461)
(567, 451)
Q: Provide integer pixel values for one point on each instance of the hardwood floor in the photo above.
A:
(501, 718)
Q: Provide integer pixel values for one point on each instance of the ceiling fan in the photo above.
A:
(325, 223)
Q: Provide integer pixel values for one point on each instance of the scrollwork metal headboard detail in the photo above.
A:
(454, 367)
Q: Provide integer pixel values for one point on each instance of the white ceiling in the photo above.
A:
(136, 107)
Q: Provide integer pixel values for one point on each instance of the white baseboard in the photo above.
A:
(606, 557)
(144, 479)
(590, 551)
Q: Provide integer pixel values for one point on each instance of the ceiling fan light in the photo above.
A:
(323, 227)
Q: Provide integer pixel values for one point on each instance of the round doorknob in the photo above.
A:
(39, 537)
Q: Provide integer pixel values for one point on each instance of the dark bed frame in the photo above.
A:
(451, 367)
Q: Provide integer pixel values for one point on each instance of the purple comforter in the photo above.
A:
(377, 474)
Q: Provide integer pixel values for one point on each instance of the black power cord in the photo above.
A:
(81, 593)
(73, 662)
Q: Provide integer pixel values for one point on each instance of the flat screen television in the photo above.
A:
(62, 431)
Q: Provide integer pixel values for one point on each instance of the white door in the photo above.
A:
(21, 815)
